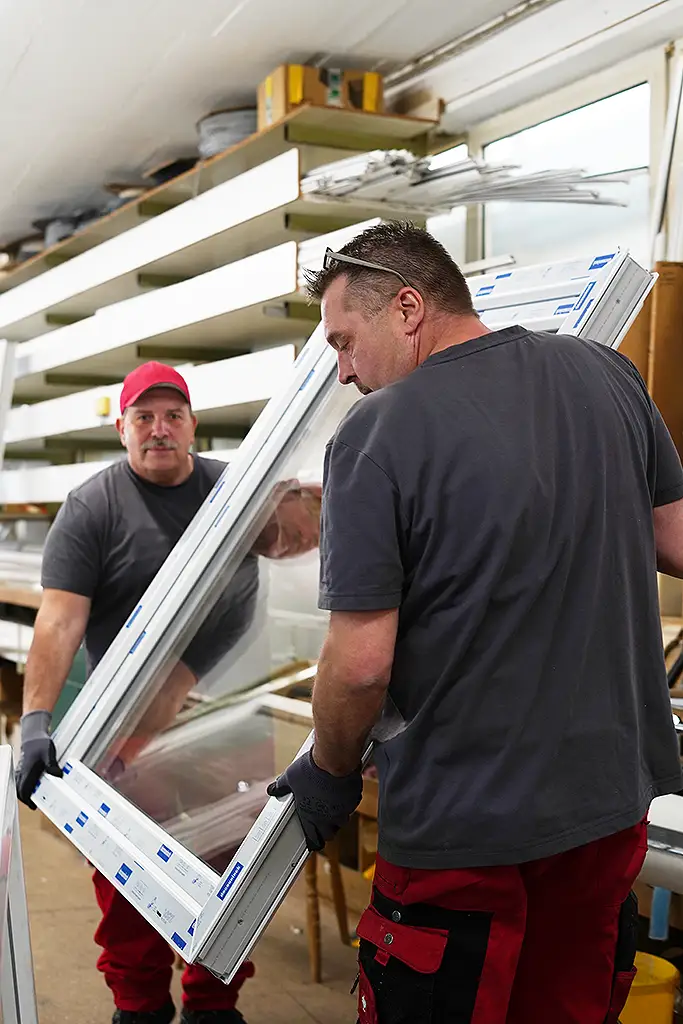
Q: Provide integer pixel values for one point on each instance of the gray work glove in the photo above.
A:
(37, 754)
(323, 802)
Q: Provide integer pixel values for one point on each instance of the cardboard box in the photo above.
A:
(636, 344)
(290, 85)
(666, 348)
(655, 344)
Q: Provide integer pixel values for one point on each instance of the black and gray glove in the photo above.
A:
(323, 802)
(37, 754)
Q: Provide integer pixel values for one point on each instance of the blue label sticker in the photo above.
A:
(123, 874)
(583, 313)
(486, 290)
(500, 276)
(221, 514)
(601, 261)
(180, 943)
(307, 379)
(190, 930)
(230, 881)
(68, 828)
(138, 641)
(67, 769)
(81, 819)
(584, 295)
(104, 810)
(216, 491)
(133, 617)
(563, 310)
(164, 853)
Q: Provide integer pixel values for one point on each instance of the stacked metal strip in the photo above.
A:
(429, 186)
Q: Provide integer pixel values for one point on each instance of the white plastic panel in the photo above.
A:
(84, 817)
(17, 988)
(312, 252)
(43, 484)
(15, 640)
(538, 275)
(236, 381)
(254, 280)
(267, 187)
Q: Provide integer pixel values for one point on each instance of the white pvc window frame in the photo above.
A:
(173, 889)
(209, 919)
(17, 988)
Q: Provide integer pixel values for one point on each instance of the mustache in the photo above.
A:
(161, 442)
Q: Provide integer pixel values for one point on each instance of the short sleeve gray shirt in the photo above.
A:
(111, 537)
(501, 497)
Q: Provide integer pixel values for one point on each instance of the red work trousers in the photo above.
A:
(548, 942)
(137, 962)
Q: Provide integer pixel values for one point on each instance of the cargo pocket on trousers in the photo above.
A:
(397, 964)
(624, 959)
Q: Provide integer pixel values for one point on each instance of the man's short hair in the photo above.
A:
(403, 247)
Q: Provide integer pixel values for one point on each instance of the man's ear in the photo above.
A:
(412, 308)
(121, 427)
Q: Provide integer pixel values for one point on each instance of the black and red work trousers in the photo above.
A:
(548, 942)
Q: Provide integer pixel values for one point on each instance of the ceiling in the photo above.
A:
(97, 91)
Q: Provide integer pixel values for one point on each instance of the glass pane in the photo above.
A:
(591, 139)
(449, 229)
(535, 232)
(449, 156)
(204, 778)
(198, 750)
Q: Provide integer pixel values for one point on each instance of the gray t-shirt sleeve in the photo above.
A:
(665, 474)
(72, 553)
(668, 472)
(360, 551)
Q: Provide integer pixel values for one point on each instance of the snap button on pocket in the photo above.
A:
(420, 949)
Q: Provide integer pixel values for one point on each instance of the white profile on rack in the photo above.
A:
(17, 988)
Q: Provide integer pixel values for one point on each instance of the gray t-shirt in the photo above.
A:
(501, 496)
(110, 538)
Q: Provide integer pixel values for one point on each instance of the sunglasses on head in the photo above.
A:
(331, 257)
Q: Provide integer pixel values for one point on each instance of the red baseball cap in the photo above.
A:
(151, 375)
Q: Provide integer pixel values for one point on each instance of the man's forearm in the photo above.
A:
(344, 712)
(47, 668)
(161, 713)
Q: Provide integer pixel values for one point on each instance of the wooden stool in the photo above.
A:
(313, 907)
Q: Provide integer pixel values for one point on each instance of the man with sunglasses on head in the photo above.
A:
(494, 513)
(108, 542)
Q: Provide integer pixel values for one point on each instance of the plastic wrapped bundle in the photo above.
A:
(225, 128)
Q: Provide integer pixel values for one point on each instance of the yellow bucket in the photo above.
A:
(653, 992)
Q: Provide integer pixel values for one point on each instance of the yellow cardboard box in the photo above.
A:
(290, 85)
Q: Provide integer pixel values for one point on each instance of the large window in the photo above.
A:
(450, 228)
(606, 137)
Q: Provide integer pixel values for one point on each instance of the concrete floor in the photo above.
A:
(64, 915)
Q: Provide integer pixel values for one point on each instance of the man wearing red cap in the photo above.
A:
(108, 541)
